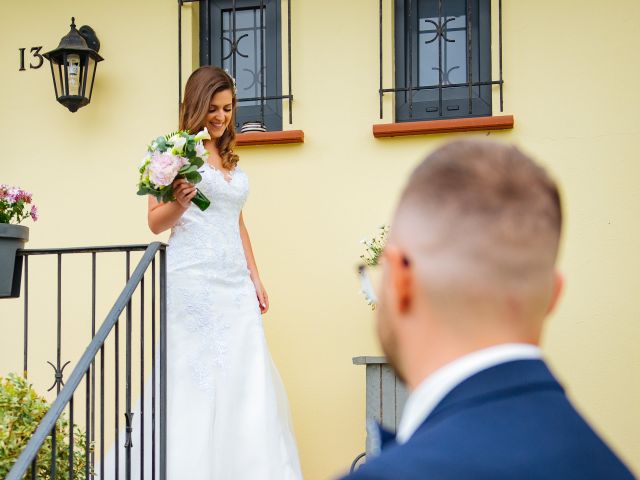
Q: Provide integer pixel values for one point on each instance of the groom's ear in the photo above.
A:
(558, 288)
(399, 280)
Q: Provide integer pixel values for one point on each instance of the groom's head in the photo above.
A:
(470, 259)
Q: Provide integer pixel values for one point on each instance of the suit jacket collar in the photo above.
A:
(506, 379)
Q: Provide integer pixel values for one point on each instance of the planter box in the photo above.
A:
(12, 238)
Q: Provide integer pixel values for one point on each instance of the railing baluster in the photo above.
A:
(25, 366)
(71, 439)
(128, 414)
(102, 412)
(59, 328)
(163, 365)
(34, 467)
(93, 363)
(87, 422)
(153, 368)
(142, 379)
(117, 397)
(53, 451)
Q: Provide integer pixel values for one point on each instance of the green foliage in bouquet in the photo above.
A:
(21, 410)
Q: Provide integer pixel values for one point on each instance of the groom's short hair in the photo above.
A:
(482, 213)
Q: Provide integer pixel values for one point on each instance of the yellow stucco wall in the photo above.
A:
(570, 82)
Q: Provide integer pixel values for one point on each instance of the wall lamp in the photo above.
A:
(73, 66)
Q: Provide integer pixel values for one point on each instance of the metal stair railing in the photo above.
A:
(86, 366)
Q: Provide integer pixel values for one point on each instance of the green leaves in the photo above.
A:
(21, 410)
(197, 161)
(143, 190)
(161, 144)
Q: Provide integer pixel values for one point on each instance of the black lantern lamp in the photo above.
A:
(73, 66)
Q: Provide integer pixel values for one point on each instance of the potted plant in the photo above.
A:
(15, 206)
(369, 275)
(21, 410)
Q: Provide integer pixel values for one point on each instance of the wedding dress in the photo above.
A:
(227, 411)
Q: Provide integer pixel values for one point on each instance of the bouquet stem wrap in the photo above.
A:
(201, 201)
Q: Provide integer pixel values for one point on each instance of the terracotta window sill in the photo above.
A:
(503, 122)
(269, 138)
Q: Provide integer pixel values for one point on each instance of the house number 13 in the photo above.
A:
(35, 51)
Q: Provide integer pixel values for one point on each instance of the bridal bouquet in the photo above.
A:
(177, 155)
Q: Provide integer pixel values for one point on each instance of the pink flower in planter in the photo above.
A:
(13, 201)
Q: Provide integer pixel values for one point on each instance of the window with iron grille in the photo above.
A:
(243, 37)
(443, 59)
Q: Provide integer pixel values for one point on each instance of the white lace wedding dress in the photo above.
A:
(227, 410)
(228, 416)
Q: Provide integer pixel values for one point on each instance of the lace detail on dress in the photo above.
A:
(211, 358)
(208, 273)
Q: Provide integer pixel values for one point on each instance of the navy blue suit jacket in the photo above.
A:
(511, 421)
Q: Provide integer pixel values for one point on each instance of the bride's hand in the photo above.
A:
(184, 192)
(261, 293)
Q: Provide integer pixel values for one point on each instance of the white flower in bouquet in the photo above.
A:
(178, 144)
(202, 135)
(201, 151)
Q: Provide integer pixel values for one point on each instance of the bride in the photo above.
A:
(227, 411)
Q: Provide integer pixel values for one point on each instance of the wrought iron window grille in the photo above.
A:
(416, 31)
(243, 36)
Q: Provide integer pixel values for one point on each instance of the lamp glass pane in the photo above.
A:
(73, 71)
(55, 74)
(58, 76)
(89, 77)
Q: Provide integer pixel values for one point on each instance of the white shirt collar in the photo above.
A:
(436, 386)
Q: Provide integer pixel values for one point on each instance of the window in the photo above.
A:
(443, 59)
(243, 37)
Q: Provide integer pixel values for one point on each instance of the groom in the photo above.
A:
(469, 276)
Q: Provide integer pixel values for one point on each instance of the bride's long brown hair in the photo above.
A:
(202, 85)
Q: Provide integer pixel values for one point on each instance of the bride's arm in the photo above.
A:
(163, 216)
(263, 298)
